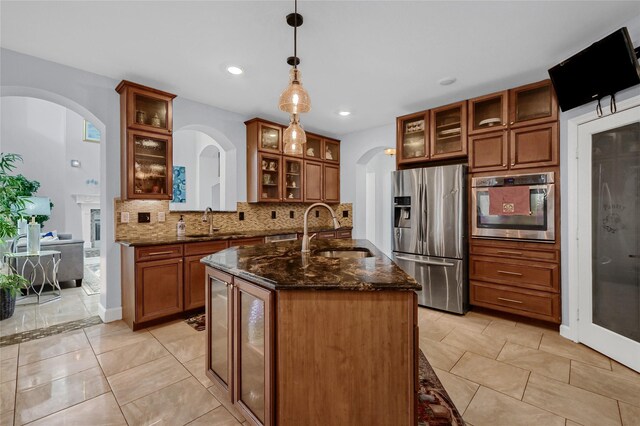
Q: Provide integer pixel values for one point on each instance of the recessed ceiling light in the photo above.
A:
(344, 113)
(447, 81)
(235, 70)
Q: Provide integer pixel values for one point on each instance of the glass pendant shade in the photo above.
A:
(295, 99)
(294, 137)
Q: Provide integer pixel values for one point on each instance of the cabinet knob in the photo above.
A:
(513, 164)
(504, 165)
(511, 122)
(504, 124)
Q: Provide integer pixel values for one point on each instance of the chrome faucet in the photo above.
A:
(206, 217)
(305, 238)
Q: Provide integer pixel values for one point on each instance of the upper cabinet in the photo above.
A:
(488, 113)
(146, 116)
(449, 131)
(412, 138)
(273, 176)
(532, 104)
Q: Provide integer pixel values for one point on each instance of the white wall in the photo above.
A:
(380, 168)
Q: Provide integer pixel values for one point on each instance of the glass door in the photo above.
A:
(218, 327)
(270, 187)
(292, 180)
(532, 104)
(449, 131)
(151, 155)
(488, 113)
(412, 137)
(269, 138)
(313, 148)
(609, 235)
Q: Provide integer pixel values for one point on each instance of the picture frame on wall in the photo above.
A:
(90, 132)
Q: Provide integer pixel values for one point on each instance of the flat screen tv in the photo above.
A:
(602, 69)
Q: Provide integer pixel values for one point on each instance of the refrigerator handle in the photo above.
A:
(420, 214)
(426, 262)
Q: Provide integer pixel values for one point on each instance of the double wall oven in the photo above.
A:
(537, 224)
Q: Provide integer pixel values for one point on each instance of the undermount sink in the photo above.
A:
(354, 253)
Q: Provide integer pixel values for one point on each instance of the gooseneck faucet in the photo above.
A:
(305, 238)
(206, 217)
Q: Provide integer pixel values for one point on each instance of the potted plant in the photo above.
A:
(10, 205)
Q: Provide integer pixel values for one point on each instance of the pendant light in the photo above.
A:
(294, 99)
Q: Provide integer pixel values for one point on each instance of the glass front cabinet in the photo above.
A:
(413, 133)
(293, 179)
(449, 131)
(488, 113)
(240, 355)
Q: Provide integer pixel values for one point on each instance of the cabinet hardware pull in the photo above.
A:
(509, 300)
(226, 284)
(517, 253)
(511, 122)
(518, 274)
(158, 253)
(513, 164)
(634, 256)
(504, 165)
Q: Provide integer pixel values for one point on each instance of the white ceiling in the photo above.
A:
(377, 59)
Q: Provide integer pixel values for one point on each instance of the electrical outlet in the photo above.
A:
(345, 213)
(124, 217)
(291, 214)
(317, 213)
(144, 217)
(273, 214)
(161, 217)
(240, 215)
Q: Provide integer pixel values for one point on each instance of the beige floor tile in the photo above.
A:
(147, 378)
(630, 414)
(607, 383)
(188, 348)
(59, 311)
(572, 423)
(475, 342)
(514, 334)
(619, 368)
(8, 369)
(440, 355)
(219, 395)
(197, 367)
(100, 411)
(498, 317)
(218, 417)
(496, 375)
(48, 347)
(47, 370)
(7, 396)
(130, 356)
(7, 352)
(540, 327)
(558, 345)
(491, 408)
(433, 330)
(102, 343)
(571, 402)
(6, 418)
(23, 319)
(469, 322)
(541, 362)
(426, 313)
(52, 397)
(177, 404)
(173, 331)
(105, 328)
(460, 390)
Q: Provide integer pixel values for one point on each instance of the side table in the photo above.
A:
(43, 261)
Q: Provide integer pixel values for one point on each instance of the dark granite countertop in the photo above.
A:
(281, 266)
(217, 236)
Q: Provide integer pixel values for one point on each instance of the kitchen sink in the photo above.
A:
(354, 253)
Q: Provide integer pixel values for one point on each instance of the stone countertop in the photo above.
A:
(282, 266)
(217, 236)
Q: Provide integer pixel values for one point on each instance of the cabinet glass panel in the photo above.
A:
(414, 138)
(448, 132)
(269, 176)
(269, 138)
(219, 329)
(331, 151)
(533, 103)
(293, 180)
(313, 148)
(487, 113)
(150, 162)
(252, 349)
(150, 111)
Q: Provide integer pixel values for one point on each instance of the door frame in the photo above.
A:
(570, 330)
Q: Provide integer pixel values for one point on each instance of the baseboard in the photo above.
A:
(568, 333)
(111, 314)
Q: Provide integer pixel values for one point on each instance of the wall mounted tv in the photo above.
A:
(602, 69)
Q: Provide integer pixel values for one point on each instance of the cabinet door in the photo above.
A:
(149, 111)
(412, 138)
(331, 151)
(488, 113)
(312, 181)
(253, 350)
(292, 180)
(195, 272)
(269, 184)
(449, 131)
(532, 104)
(488, 152)
(534, 146)
(331, 183)
(220, 329)
(149, 166)
(313, 148)
(269, 138)
(158, 289)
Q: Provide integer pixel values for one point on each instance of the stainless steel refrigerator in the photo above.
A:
(429, 233)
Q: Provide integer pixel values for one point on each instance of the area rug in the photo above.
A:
(197, 321)
(39, 333)
(91, 280)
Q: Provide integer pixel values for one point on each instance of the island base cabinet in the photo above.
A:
(219, 326)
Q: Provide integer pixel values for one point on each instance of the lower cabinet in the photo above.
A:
(158, 289)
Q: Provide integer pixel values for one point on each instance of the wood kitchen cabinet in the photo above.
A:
(293, 179)
(448, 131)
(158, 289)
(331, 181)
(195, 271)
(488, 113)
(313, 181)
(532, 104)
(488, 152)
(146, 122)
(412, 138)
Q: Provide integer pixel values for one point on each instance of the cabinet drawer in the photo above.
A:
(534, 275)
(158, 252)
(534, 304)
(326, 235)
(206, 247)
(343, 234)
(544, 255)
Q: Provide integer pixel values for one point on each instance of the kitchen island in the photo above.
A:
(326, 338)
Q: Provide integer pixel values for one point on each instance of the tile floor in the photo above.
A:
(497, 370)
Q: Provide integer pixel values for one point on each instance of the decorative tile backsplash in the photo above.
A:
(257, 217)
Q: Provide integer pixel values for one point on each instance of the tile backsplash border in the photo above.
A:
(257, 217)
